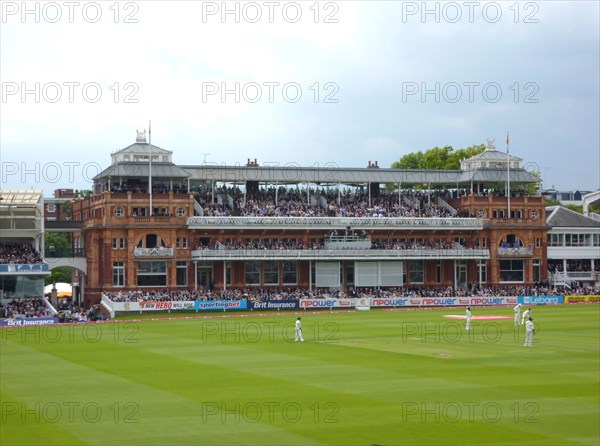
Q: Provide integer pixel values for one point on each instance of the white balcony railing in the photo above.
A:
(338, 254)
(153, 252)
(524, 251)
(335, 222)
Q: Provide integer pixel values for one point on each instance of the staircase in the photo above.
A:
(442, 203)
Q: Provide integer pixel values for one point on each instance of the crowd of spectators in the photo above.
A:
(292, 245)
(320, 202)
(19, 253)
(260, 294)
(35, 307)
(573, 266)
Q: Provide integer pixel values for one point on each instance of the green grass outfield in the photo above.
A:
(374, 377)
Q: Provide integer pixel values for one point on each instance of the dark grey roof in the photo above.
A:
(134, 170)
(142, 147)
(334, 174)
(561, 217)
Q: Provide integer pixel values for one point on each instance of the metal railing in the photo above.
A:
(336, 222)
(153, 252)
(523, 251)
(342, 254)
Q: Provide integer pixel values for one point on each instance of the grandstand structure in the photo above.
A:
(153, 224)
(573, 247)
(22, 268)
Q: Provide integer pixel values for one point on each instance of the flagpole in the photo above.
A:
(150, 164)
(508, 171)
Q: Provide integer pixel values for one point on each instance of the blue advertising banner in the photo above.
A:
(207, 305)
(24, 268)
(274, 304)
(28, 321)
(541, 300)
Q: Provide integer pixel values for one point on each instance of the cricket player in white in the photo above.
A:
(526, 315)
(517, 309)
(529, 332)
(299, 331)
(468, 318)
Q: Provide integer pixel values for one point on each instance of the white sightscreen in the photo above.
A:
(327, 274)
(378, 274)
(391, 273)
(366, 273)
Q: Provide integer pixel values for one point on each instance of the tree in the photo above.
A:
(59, 274)
(56, 243)
(444, 158)
(79, 195)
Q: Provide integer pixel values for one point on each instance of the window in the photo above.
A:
(416, 271)
(536, 270)
(350, 273)
(228, 274)
(181, 273)
(51, 207)
(511, 270)
(118, 274)
(596, 239)
(482, 271)
(118, 243)
(538, 242)
(481, 213)
(118, 212)
(180, 212)
(181, 243)
(252, 273)
(139, 212)
(556, 239)
(152, 274)
(271, 272)
(290, 272)
(533, 214)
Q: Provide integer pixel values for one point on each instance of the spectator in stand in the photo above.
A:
(19, 253)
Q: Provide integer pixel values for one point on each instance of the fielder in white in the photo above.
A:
(526, 315)
(468, 318)
(299, 331)
(517, 309)
(529, 332)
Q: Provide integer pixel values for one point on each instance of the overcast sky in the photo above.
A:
(307, 83)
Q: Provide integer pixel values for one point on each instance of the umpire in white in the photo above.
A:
(299, 331)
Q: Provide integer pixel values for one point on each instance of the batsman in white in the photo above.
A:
(529, 332)
(299, 331)
(517, 310)
(468, 318)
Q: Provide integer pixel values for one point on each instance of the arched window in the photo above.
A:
(511, 241)
(151, 241)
